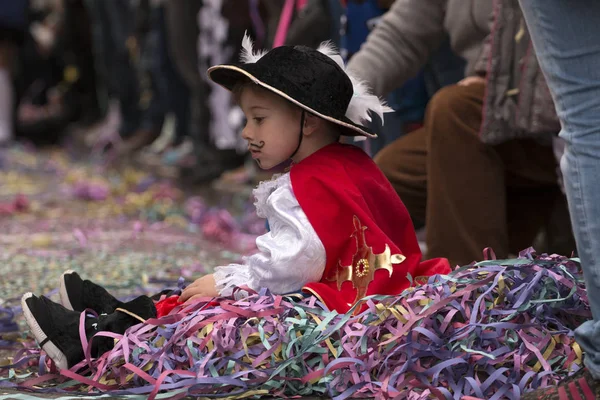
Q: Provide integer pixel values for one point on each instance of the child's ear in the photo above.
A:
(312, 123)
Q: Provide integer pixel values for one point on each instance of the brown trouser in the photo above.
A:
(470, 195)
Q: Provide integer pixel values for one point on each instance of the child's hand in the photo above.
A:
(202, 287)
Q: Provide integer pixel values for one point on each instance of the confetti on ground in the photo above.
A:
(121, 228)
(491, 331)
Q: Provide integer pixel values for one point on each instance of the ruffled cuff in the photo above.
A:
(229, 277)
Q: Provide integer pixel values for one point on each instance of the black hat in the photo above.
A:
(312, 79)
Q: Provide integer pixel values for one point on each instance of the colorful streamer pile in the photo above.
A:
(492, 330)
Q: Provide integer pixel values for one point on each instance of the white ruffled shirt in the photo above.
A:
(289, 256)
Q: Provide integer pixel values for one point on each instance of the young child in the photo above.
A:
(338, 230)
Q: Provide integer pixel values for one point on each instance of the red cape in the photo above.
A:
(369, 238)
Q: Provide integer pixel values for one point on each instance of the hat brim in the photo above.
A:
(228, 76)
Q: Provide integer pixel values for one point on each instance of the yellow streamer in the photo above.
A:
(501, 287)
(327, 341)
(546, 354)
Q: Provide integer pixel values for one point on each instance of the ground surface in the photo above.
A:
(122, 228)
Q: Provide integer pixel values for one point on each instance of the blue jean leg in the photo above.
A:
(566, 39)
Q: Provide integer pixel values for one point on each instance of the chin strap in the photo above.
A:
(301, 134)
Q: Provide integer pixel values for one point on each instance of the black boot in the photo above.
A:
(77, 295)
(129, 314)
(56, 328)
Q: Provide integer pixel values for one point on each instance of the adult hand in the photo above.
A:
(470, 80)
(202, 287)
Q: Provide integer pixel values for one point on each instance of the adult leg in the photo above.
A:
(211, 131)
(449, 179)
(178, 91)
(153, 53)
(469, 193)
(122, 70)
(466, 202)
(479, 195)
(565, 37)
(181, 23)
(7, 52)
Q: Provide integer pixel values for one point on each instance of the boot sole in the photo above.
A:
(50, 348)
(64, 296)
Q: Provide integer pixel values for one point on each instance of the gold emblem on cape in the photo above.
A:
(364, 263)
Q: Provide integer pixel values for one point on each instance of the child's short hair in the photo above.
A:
(247, 83)
(239, 87)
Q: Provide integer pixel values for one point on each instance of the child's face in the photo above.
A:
(272, 129)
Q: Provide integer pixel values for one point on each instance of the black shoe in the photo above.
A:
(77, 295)
(129, 314)
(55, 328)
(142, 306)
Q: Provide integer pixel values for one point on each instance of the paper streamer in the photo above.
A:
(491, 330)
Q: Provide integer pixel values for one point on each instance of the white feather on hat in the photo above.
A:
(363, 101)
(248, 55)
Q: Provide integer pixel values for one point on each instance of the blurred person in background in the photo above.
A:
(410, 99)
(282, 22)
(113, 24)
(55, 77)
(473, 186)
(173, 39)
(314, 22)
(163, 90)
(13, 24)
(217, 30)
